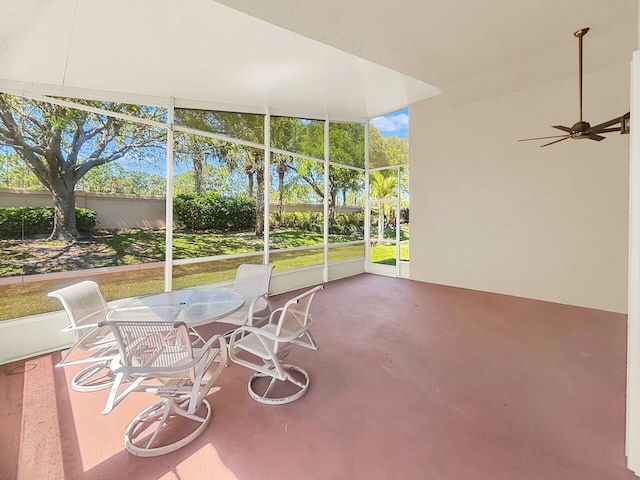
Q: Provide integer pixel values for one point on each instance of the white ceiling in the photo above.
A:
(197, 50)
(354, 59)
(470, 49)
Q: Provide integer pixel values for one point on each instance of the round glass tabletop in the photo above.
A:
(193, 306)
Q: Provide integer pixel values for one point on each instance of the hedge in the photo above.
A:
(196, 212)
(18, 222)
(213, 211)
(343, 223)
(348, 224)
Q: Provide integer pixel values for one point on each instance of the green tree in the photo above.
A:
(216, 178)
(281, 169)
(244, 126)
(114, 178)
(15, 174)
(286, 133)
(386, 151)
(290, 134)
(197, 150)
(383, 185)
(61, 144)
(346, 141)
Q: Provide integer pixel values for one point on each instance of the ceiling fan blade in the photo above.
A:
(601, 126)
(541, 138)
(556, 141)
(595, 137)
(564, 129)
(607, 130)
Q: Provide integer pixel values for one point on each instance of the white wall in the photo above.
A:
(113, 211)
(633, 322)
(126, 211)
(493, 214)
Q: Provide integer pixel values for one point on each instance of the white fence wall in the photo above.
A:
(123, 211)
(114, 211)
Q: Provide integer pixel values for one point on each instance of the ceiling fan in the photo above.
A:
(582, 129)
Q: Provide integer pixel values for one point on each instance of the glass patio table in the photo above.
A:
(193, 306)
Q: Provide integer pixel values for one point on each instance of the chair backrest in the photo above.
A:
(153, 345)
(251, 281)
(83, 302)
(295, 318)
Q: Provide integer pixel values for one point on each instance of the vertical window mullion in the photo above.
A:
(325, 222)
(267, 183)
(367, 206)
(398, 193)
(168, 260)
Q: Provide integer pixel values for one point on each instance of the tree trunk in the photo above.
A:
(260, 201)
(64, 219)
(197, 173)
(249, 169)
(381, 221)
(332, 207)
(282, 168)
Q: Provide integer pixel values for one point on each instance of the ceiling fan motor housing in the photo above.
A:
(580, 127)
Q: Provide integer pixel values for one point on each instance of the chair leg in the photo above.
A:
(271, 384)
(143, 440)
(197, 341)
(97, 376)
(286, 385)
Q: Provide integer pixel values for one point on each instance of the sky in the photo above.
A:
(393, 124)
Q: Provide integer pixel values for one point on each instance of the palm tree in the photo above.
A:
(382, 186)
(281, 168)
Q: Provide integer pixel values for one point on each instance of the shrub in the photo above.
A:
(213, 211)
(241, 212)
(348, 224)
(306, 221)
(18, 222)
(343, 224)
(85, 219)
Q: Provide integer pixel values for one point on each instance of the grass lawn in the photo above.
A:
(138, 249)
(386, 254)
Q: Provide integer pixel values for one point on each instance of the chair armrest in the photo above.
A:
(262, 333)
(252, 306)
(71, 328)
(275, 315)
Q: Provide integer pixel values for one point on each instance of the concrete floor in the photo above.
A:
(412, 381)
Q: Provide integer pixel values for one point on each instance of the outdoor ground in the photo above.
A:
(139, 254)
(128, 247)
(41, 256)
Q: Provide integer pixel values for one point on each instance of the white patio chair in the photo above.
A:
(288, 327)
(252, 282)
(85, 307)
(158, 357)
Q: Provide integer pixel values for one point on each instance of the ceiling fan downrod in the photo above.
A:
(580, 33)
